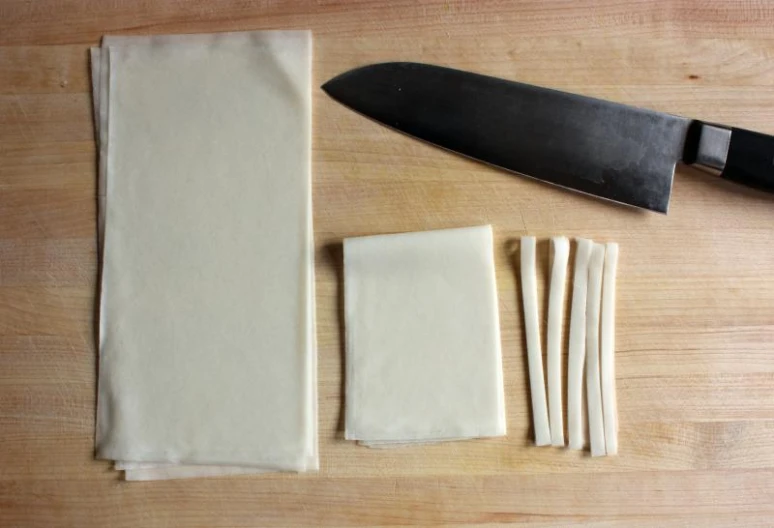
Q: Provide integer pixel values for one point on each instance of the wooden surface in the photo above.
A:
(696, 289)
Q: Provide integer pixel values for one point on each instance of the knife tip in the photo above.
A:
(341, 81)
(330, 86)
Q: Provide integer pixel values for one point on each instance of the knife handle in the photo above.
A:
(750, 159)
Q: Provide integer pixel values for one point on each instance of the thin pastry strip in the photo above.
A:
(607, 343)
(577, 347)
(593, 390)
(560, 247)
(534, 353)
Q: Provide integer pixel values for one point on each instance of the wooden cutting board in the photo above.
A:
(696, 288)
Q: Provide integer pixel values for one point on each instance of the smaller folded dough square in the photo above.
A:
(423, 358)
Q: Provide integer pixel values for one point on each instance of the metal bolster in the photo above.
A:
(712, 149)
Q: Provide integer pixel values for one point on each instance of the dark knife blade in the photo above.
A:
(606, 149)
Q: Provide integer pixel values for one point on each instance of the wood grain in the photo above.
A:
(696, 287)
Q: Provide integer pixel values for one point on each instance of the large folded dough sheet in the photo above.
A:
(207, 305)
(422, 338)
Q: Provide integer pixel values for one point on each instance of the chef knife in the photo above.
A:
(605, 149)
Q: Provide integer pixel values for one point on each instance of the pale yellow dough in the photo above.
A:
(423, 360)
(207, 309)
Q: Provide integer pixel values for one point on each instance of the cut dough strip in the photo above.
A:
(593, 391)
(577, 348)
(560, 247)
(534, 353)
(607, 360)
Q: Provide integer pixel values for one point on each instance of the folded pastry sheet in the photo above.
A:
(423, 358)
(207, 350)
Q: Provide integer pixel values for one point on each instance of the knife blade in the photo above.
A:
(606, 149)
